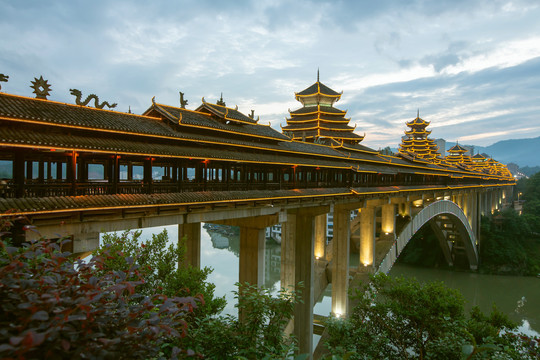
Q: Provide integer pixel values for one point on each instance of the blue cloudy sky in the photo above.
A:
(471, 67)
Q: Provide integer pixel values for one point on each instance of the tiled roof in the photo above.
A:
(193, 118)
(226, 113)
(66, 114)
(318, 87)
(46, 139)
(337, 118)
(48, 204)
(335, 127)
(457, 148)
(311, 109)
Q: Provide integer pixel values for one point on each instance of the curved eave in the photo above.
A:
(418, 123)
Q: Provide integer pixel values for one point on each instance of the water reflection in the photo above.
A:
(516, 296)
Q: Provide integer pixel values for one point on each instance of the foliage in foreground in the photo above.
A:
(54, 307)
(162, 264)
(257, 334)
(209, 334)
(397, 318)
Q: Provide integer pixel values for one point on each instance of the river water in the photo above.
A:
(518, 297)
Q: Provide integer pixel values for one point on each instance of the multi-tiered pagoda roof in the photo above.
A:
(416, 143)
(318, 120)
(456, 155)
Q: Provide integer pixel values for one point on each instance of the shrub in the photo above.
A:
(54, 307)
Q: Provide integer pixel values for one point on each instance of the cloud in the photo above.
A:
(468, 66)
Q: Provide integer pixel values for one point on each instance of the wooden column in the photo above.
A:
(18, 173)
(147, 175)
(72, 172)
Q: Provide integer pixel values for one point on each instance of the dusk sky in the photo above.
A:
(471, 67)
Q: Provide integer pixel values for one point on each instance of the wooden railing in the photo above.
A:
(33, 188)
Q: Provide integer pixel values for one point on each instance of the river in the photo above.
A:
(518, 297)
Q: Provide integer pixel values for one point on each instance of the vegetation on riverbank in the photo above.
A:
(398, 318)
(131, 300)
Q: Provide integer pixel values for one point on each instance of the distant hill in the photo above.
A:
(524, 152)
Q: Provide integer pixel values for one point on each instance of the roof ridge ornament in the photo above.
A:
(317, 74)
(204, 102)
(3, 78)
(220, 101)
(78, 94)
(41, 88)
(183, 102)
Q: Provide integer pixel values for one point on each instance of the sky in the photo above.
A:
(471, 68)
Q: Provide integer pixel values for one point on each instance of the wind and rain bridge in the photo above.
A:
(74, 171)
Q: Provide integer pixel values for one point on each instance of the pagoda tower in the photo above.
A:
(455, 156)
(318, 120)
(479, 162)
(416, 142)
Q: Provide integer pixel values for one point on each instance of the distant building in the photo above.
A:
(441, 146)
(469, 148)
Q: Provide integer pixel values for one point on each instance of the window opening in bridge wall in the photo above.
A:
(158, 172)
(123, 172)
(96, 172)
(138, 172)
(6, 169)
(190, 174)
(286, 177)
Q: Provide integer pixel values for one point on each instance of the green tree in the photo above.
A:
(53, 306)
(397, 318)
(258, 335)
(162, 264)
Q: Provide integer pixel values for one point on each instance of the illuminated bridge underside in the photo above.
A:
(452, 228)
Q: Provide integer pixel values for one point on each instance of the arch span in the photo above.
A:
(446, 218)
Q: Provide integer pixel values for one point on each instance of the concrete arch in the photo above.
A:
(429, 214)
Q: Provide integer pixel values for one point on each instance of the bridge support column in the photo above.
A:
(192, 234)
(388, 222)
(85, 242)
(320, 236)
(287, 251)
(459, 200)
(475, 216)
(304, 233)
(405, 209)
(466, 206)
(367, 236)
(340, 261)
(494, 206)
(252, 244)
